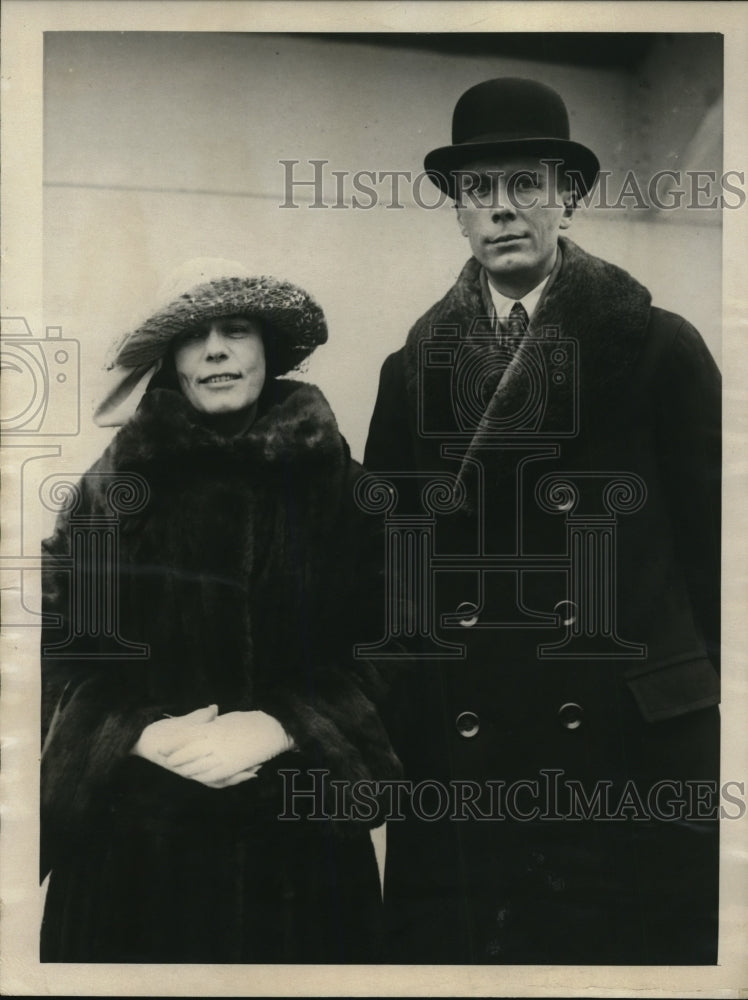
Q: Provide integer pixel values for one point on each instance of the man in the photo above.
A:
(566, 691)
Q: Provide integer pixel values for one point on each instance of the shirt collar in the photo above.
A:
(529, 300)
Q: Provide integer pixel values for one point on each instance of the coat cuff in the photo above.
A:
(336, 726)
(92, 731)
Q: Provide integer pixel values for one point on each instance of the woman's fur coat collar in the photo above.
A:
(294, 424)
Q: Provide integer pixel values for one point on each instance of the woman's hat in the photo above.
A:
(510, 116)
(208, 287)
(202, 289)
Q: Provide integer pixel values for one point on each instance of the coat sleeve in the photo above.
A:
(93, 709)
(389, 446)
(689, 445)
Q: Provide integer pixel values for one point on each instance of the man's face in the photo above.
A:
(511, 212)
(221, 364)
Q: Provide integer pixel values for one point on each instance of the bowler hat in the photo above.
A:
(510, 116)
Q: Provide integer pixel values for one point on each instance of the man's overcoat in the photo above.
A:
(574, 562)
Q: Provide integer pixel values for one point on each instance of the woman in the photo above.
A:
(246, 574)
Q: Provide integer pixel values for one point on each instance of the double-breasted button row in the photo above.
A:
(468, 612)
(570, 716)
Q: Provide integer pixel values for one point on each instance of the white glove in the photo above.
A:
(229, 749)
(165, 736)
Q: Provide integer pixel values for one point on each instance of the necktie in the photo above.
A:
(513, 326)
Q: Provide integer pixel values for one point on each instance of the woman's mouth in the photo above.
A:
(217, 379)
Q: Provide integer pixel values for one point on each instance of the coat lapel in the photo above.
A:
(576, 358)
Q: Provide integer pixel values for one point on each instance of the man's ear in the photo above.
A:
(568, 199)
(460, 223)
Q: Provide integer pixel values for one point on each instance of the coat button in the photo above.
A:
(570, 715)
(468, 612)
(567, 611)
(467, 724)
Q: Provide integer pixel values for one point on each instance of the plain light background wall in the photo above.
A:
(164, 146)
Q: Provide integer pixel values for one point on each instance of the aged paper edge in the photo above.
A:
(24, 22)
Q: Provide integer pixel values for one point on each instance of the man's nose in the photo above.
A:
(503, 206)
(215, 343)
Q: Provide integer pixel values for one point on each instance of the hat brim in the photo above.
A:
(440, 164)
(290, 316)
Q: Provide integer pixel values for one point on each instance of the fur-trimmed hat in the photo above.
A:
(206, 288)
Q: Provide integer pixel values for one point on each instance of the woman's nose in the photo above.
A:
(215, 344)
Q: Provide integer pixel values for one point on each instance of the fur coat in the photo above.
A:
(603, 387)
(247, 576)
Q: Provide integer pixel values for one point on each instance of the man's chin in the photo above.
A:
(506, 254)
(510, 268)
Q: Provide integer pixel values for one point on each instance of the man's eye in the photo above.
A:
(527, 182)
(238, 331)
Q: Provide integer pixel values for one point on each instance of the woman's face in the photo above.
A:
(221, 364)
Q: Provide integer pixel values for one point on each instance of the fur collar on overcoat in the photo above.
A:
(595, 305)
(295, 424)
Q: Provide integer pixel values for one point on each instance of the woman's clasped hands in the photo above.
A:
(217, 750)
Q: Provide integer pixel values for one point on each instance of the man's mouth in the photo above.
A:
(215, 379)
(505, 239)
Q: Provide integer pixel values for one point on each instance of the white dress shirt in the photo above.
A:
(503, 305)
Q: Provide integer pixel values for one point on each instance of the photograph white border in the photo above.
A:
(23, 24)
